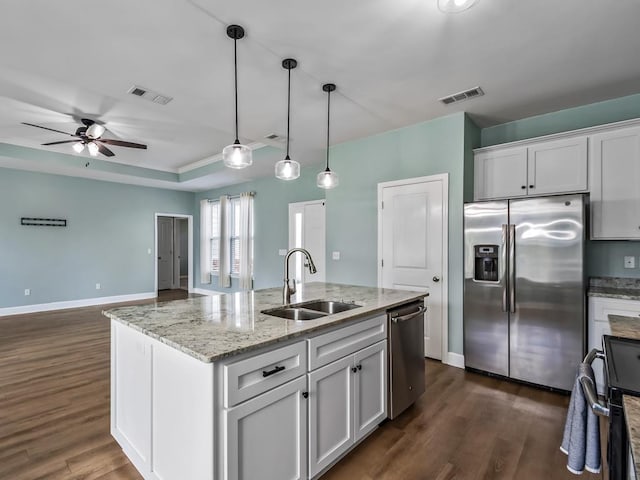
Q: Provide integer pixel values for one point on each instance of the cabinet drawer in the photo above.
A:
(601, 308)
(331, 346)
(247, 378)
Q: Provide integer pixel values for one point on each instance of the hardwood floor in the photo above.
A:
(54, 415)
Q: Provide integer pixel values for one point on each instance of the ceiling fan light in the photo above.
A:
(78, 147)
(237, 156)
(93, 148)
(287, 169)
(455, 6)
(327, 179)
(95, 131)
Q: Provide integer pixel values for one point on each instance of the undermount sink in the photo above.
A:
(328, 306)
(310, 310)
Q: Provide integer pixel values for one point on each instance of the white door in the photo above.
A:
(267, 435)
(370, 388)
(412, 223)
(330, 413)
(165, 253)
(307, 230)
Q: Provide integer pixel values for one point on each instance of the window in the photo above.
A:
(234, 236)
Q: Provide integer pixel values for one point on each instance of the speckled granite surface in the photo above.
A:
(614, 287)
(632, 415)
(622, 326)
(213, 327)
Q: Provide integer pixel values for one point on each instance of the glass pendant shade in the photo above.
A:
(287, 169)
(327, 179)
(95, 131)
(237, 156)
(93, 148)
(78, 147)
(455, 6)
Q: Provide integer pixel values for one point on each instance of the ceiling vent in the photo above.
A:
(460, 96)
(274, 137)
(150, 95)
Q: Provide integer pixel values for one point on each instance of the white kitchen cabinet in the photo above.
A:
(347, 400)
(266, 437)
(599, 310)
(615, 184)
(540, 168)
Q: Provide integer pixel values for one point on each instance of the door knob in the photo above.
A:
(436, 279)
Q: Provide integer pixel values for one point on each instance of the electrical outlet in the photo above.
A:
(282, 252)
(148, 251)
(27, 292)
(629, 261)
(97, 286)
(335, 255)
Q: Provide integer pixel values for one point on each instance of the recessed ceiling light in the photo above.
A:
(455, 6)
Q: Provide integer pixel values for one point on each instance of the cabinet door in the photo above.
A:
(615, 188)
(370, 388)
(266, 436)
(557, 167)
(330, 413)
(500, 174)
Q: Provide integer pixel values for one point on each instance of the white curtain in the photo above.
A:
(246, 241)
(224, 279)
(205, 241)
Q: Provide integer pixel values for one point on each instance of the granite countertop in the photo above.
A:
(631, 407)
(629, 327)
(614, 287)
(210, 328)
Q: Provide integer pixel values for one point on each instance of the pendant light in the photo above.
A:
(288, 169)
(455, 6)
(327, 179)
(236, 155)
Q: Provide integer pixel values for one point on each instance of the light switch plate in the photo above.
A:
(629, 261)
(282, 252)
(98, 286)
(27, 292)
(335, 255)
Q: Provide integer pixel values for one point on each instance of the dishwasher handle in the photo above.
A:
(395, 318)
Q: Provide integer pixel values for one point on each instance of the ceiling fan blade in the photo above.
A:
(105, 151)
(47, 128)
(59, 143)
(120, 143)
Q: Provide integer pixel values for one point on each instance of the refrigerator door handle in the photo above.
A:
(511, 264)
(505, 283)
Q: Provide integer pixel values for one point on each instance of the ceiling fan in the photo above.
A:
(90, 136)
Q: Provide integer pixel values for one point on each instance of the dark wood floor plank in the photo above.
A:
(54, 416)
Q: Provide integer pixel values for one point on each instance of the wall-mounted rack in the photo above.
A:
(43, 222)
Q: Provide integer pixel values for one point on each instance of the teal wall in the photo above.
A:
(604, 258)
(271, 223)
(427, 148)
(110, 227)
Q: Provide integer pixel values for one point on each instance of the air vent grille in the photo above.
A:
(274, 137)
(460, 96)
(150, 95)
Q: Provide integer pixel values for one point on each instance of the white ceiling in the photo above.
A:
(391, 61)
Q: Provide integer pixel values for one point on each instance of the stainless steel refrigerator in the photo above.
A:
(524, 288)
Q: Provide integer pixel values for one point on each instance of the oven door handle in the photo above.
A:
(588, 388)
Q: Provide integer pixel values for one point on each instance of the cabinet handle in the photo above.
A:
(532, 186)
(271, 372)
(354, 369)
(305, 394)
(523, 187)
(359, 367)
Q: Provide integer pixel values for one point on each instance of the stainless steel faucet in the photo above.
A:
(288, 290)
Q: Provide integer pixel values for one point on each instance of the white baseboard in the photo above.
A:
(204, 291)
(85, 302)
(455, 360)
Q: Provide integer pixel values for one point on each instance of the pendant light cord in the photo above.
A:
(235, 66)
(288, 111)
(328, 117)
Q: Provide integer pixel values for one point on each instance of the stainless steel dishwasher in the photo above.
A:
(406, 356)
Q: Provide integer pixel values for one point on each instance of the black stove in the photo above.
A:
(622, 371)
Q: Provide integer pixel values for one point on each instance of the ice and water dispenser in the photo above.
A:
(486, 263)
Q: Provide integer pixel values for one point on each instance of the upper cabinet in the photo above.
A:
(615, 185)
(541, 168)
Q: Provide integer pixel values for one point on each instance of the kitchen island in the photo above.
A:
(211, 387)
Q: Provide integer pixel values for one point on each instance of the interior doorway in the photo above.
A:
(174, 252)
(307, 230)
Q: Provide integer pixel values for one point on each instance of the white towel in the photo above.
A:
(581, 439)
